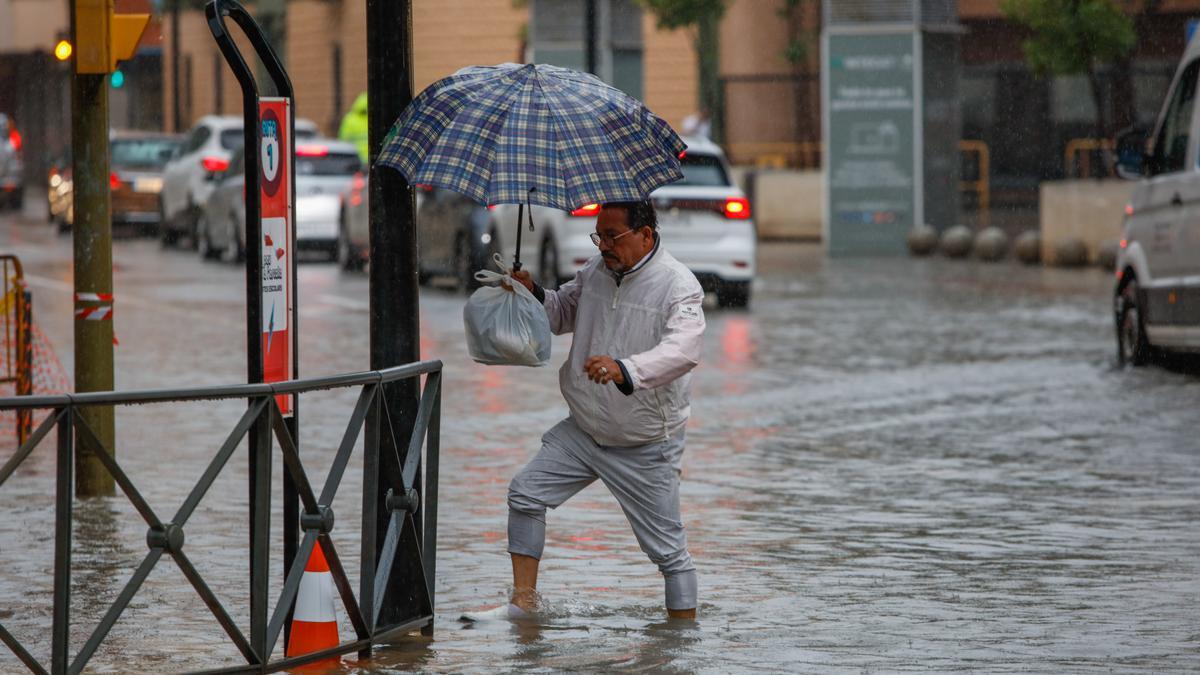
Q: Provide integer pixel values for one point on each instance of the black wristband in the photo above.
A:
(626, 386)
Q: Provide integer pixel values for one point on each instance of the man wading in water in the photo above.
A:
(636, 314)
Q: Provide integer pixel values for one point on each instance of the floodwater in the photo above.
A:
(891, 466)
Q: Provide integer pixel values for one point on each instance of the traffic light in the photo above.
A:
(105, 37)
(117, 79)
(62, 50)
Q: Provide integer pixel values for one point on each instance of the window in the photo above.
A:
(142, 152)
(333, 164)
(1171, 143)
(231, 139)
(199, 136)
(703, 170)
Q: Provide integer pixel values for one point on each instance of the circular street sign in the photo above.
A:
(271, 149)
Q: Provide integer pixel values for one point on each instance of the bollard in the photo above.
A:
(991, 244)
(1071, 252)
(922, 240)
(1028, 247)
(1106, 256)
(956, 242)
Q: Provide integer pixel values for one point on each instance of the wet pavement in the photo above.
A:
(893, 465)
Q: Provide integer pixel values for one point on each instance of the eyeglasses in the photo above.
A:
(597, 237)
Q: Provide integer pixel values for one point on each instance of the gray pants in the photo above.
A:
(644, 479)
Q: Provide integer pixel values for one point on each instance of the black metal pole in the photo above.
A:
(589, 34)
(393, 282)
(60, 636)
(260, 434)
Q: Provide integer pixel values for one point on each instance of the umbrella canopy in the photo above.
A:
(494, 132)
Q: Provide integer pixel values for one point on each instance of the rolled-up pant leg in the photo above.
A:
(554, 475)
(645, 481)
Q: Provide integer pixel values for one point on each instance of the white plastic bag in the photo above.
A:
(506, 328)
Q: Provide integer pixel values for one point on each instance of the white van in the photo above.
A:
(1157, 294)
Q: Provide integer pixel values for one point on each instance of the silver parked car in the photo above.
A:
(190, 175)
(324, 170)
(1156, 300)
(455, 235)
(11, 166)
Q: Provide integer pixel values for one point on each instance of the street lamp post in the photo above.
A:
(393, 292)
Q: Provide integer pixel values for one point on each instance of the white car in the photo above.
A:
(188, 178)
(324, 169)
(704, 220)
(1156, 300)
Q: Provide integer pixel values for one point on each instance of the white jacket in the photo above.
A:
(653, 323)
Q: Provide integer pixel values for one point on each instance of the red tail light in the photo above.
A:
(423, 187)
(214, 164)
(114, 182)
(737, 208)
(683, 154)
(312, 150)
(15, 139)
(586, 210)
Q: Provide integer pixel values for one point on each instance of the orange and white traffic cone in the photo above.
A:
(314, 621)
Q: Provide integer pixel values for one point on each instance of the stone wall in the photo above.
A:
(1091, 211)
(786, 204)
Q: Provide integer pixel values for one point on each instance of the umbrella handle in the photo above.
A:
(517, 254)
(520, 217)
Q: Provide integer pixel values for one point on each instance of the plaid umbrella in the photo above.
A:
(536, 134)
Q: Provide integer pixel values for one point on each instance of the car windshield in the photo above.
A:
(702, 170)
(142, 152)
(333, 164)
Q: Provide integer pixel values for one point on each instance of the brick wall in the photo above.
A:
(669, 72)
(197, 47)
(447, 35)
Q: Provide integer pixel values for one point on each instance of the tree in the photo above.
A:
(1125, 103)
(1074, 37)
(702, 17)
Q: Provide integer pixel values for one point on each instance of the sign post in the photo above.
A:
(270, 284)
(278, 259)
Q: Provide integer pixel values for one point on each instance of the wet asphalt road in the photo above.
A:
(892, 465)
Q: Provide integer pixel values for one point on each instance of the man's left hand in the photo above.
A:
(603, 369)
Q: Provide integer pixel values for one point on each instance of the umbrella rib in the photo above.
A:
(447, 134)
(558, 133)
(465, 94)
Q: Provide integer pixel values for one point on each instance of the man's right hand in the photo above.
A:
(525, 279)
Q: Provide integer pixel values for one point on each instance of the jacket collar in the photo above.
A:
(620, 276)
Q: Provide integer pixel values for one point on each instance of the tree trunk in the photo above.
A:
(708, 61)
(1101, 132)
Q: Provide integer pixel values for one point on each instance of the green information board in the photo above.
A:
(872, 148)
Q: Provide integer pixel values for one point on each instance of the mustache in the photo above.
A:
(608, 256)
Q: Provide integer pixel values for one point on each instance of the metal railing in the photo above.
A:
(409, 537)
(980, 182)
(16, 322)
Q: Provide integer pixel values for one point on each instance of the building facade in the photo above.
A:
(35, 87)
